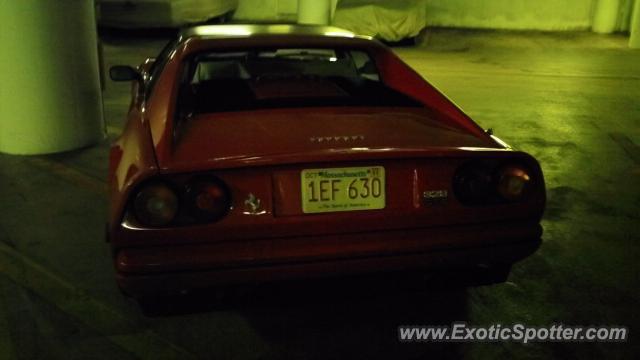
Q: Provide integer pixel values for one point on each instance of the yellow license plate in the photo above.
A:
(342, 189)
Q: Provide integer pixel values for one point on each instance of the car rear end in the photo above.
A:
(256, 182)
(257, 224)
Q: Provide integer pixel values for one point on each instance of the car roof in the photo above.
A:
(243, 31)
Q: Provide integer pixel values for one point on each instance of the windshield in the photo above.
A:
(283, 78)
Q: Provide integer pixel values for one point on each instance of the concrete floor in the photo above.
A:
(572, 100)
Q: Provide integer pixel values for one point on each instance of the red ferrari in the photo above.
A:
(262, 153)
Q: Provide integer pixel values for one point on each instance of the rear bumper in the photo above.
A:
(148, 271)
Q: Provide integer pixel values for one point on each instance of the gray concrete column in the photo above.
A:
(314, 12)
(50, 98)
(634, 40)
(605, 16)
(334, 5)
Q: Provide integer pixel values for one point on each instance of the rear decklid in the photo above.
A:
(271, 137)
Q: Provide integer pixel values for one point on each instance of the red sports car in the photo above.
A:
(262, 153)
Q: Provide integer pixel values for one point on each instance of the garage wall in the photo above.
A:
(511, 14)
(490, 14)
(266, 10)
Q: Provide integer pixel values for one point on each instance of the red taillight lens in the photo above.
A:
(208, 200)
(489, 182)
(473, 185)
(513, 182)
(156, 205)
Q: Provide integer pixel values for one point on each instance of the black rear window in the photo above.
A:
(282, 78)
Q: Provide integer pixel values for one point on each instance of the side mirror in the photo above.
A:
(124, 73)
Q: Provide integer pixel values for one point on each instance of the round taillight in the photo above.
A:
(473, 185)
(208, 200)
(513, 182)
(155, 205)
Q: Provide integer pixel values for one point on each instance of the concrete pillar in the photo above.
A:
(634, 40)
(314, 12)
(605, 17)
(334, 5)
(50, 99)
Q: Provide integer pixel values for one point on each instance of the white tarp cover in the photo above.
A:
(160, 13)
(390, 20)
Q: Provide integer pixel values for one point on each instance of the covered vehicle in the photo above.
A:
(391, 21)
(262, 153)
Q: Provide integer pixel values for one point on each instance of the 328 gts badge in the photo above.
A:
(435, 197)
